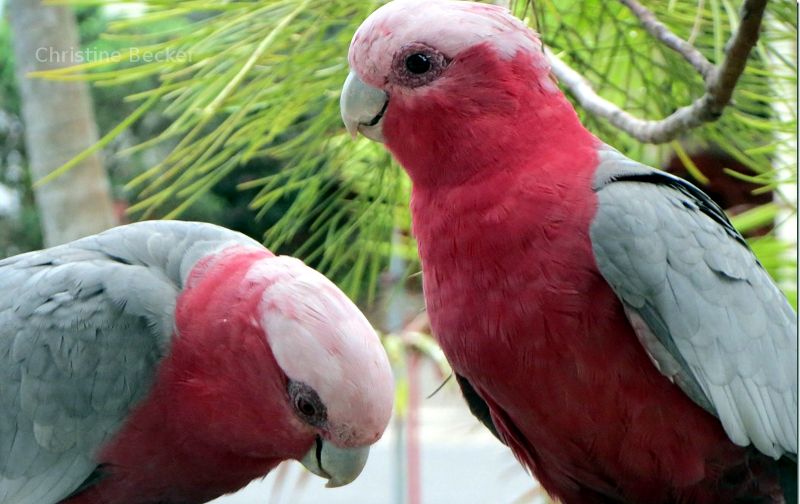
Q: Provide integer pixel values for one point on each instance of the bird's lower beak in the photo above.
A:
(362, 108)
(339, 466)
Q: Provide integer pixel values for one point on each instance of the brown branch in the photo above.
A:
(723, 81)
(720, 82)
(659, 31)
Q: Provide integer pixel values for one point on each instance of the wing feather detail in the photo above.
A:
(707, 313)
(82, 329)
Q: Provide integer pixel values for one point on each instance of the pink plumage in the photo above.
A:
(173, 362)
(218, 416)
(504, 198)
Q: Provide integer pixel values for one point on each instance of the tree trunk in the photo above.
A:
(59, 123)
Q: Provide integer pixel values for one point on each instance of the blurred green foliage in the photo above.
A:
(224, 204)
(246, 92)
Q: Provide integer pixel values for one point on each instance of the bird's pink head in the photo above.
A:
(283, 363)
(439, 29)
(340, 381)
(450, 83)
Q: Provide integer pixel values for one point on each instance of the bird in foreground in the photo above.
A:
(172, 362)
(603, 318)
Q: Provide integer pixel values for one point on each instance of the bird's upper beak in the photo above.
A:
(339, 466)
(363, 107)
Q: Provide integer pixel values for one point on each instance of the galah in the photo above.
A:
(602, 317)
(172, 362)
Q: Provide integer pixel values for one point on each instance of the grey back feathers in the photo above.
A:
(709, 316)
(82, 329)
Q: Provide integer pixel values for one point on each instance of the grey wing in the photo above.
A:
(82, 328)
(73, 360)
(707, 313)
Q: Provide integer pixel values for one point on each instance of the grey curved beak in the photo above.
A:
(339, 466)
(362, 108)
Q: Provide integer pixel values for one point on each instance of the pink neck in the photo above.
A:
(487, 116)
(217, 415)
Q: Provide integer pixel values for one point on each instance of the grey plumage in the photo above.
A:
(82, 328)
(708, 314)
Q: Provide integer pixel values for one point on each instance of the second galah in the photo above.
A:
(173, 362)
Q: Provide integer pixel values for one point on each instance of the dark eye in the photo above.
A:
(307, 404)
(418, 63)
(305, 407)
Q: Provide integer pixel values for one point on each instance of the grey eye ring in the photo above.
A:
(307, 404)
(417, 64)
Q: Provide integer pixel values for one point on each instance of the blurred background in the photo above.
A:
(227, 112)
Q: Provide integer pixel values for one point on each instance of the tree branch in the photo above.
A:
(720, 81)
(659, 31)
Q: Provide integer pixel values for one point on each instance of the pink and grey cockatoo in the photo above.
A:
(603, 318)
(172, 362)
